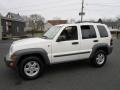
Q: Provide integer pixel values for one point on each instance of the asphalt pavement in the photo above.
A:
(69, 76)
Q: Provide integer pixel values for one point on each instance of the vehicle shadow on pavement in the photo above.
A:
(67, 67)
(49, 70)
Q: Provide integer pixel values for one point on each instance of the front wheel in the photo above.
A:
(31, 68)
(99, 59)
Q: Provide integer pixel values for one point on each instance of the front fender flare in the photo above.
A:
(31, 51)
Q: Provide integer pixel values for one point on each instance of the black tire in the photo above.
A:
(97, 63)
(23, 64)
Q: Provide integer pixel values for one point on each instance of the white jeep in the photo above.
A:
(62, 43)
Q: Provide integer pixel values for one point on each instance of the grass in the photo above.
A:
(36, 34)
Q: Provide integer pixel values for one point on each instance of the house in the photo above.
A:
(51, 23)
(56, 22)
(13, 25)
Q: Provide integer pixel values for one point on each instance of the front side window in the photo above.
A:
(88, 32)
(102, 30)
(69, 33)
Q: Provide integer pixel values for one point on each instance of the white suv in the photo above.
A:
(62, 43)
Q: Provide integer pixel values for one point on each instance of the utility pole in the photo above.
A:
(82, 9)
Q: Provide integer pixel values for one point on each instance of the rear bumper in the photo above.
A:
(10, 64)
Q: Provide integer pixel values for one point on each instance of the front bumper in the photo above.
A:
(9, 63)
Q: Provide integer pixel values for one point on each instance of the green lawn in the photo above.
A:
(36, 34)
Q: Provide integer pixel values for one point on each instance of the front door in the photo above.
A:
(67, 46)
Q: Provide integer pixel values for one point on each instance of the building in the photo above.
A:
(57, 22)
(13, 25)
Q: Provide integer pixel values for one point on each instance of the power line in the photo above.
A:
(48, 5)
(68, 5)
(73, 6)
(98, 4)
(63, 4)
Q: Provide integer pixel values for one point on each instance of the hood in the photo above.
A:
(29, 41)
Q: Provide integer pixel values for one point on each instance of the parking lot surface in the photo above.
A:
(69, 76)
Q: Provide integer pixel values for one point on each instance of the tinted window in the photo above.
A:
(102, 30)
(88, 32)
(70, 33)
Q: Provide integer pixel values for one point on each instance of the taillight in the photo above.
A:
(111, 42)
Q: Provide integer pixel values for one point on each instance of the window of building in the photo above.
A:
(6, 26)
(17, 29)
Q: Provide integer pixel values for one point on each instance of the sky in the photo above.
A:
(64, 9)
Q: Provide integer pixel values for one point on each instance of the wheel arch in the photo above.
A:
(102, 46)
(39, 52)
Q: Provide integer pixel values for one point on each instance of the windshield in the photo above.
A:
(51, 33)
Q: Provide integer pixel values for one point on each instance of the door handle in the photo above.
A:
(73, 43)
(95, 40)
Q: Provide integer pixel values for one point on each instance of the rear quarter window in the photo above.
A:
(102, 31)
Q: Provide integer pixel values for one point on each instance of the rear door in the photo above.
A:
(89, 39)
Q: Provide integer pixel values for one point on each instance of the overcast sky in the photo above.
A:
(64, 9)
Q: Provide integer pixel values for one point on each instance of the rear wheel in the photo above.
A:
(31, 67)
(99, 59)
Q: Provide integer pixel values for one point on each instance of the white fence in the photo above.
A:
(115, 33)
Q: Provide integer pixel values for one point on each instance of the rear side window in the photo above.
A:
(88, 32)
(102, 30)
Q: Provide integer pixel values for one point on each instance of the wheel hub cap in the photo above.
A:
(31, 68)
(100, 58)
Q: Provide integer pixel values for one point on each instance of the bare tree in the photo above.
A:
(36, 22)
(118, 18)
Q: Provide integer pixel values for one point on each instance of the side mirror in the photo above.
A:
(61, 38)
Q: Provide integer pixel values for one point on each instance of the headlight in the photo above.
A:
(13, 57)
